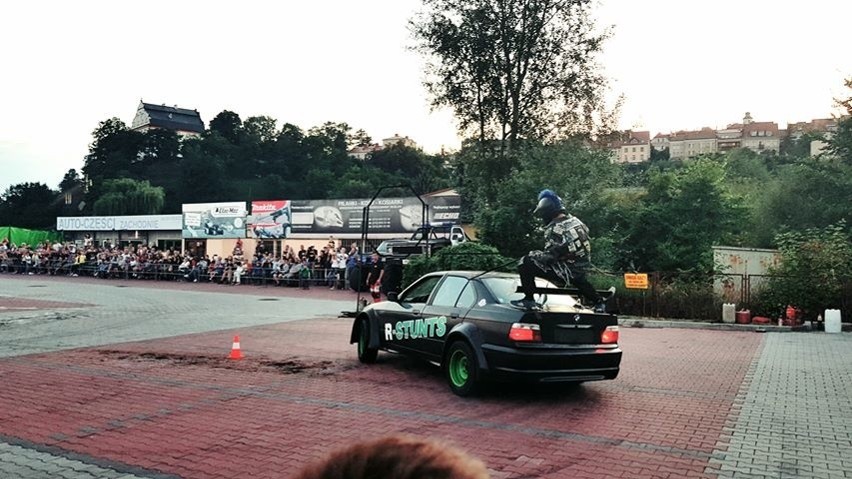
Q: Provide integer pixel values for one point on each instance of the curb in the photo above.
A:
(638, 322)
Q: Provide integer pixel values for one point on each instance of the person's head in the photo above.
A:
(399, 457)
(549, 206)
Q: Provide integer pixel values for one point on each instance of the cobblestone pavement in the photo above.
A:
(688, 403)
(795, 416)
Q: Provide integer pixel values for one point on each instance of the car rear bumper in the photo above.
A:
(551, 364)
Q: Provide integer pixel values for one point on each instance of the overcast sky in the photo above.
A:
(681, 64)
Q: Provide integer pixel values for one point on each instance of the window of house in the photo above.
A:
(68, 198)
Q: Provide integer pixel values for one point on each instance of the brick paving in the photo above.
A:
(688, 403)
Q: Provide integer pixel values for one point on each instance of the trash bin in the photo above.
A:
(743, 316)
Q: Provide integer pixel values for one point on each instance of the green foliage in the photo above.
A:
(809, 194)
(503, 188)
(684, 214)
(815, 264)
(29, 205)
(469, 256)
(129, 197)
(514, 69)
(70, 181)
(227, 124)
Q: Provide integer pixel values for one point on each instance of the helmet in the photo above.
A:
(549, 206)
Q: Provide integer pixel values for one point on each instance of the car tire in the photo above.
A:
(365, 355)
(461, 369)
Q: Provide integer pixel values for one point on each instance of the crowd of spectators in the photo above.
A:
(331, 266)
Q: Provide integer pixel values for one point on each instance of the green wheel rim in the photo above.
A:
(362, 340)
(459, 373)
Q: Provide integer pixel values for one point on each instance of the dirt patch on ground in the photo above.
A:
(293, 365)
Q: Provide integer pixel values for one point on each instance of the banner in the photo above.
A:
(214, 220)
(119, 223)
(270, 219)
(19, 236)
(387, 215)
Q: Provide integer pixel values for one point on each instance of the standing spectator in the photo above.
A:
(374, 280)
(305, 275)
(342, 260)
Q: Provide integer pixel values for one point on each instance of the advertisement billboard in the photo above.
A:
(270, 219)
(119, 223)
(387, 215)
(214, 220)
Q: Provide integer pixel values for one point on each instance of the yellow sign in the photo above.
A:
(636, 280)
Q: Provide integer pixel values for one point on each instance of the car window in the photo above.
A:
(419, 293)
(449, 291)
(504, 290)
(468, 296)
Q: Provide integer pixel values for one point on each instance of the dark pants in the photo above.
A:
(529, 271)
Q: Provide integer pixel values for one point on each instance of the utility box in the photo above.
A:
(738, 263)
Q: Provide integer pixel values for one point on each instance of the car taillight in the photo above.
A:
(609, 335)
(525, 332)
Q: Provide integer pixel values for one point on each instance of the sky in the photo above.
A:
(680, 64)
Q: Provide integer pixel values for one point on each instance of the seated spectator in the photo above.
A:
(396, 457)
(238, 272)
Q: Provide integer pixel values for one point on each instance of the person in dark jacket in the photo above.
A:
(566, 257)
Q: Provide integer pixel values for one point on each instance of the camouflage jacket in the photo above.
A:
(566, 246)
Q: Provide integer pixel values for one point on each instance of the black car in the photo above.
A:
(463, 321)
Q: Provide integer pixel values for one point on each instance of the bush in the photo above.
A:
(465, 257)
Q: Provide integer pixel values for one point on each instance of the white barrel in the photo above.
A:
(729, 311)
(832, 321)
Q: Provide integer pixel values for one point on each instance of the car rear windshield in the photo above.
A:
(504, 289)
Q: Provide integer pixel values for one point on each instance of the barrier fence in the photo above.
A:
(667, 296)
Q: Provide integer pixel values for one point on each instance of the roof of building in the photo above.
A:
(662, 135)
(702, 134)
(173, 118)
(761, 126)
(363, 149)
(630, 138)
(816, 125)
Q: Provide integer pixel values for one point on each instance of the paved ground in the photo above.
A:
(152, 395)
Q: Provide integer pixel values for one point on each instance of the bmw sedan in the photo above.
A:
(465, 323)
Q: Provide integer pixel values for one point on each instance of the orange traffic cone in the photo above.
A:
(236, 353)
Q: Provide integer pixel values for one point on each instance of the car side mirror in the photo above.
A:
(393, 296)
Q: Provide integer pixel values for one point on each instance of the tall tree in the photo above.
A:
(512, 69)
(228, 124)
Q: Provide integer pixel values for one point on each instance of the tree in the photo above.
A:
(70, 181)
(502, 204)
(112, 152)
(29, 205)
(260, 129)
(227, 124)
(815, 265)
(683, 215)
(126, 196)
(512, 69)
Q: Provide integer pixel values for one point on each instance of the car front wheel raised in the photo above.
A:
(366, 354)
(461, 369)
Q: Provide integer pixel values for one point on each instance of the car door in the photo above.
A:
(401, 326)
(453, 298)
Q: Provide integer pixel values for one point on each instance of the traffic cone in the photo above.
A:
(236, 353)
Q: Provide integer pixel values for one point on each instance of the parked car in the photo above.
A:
(464, 322)
(425, 240)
